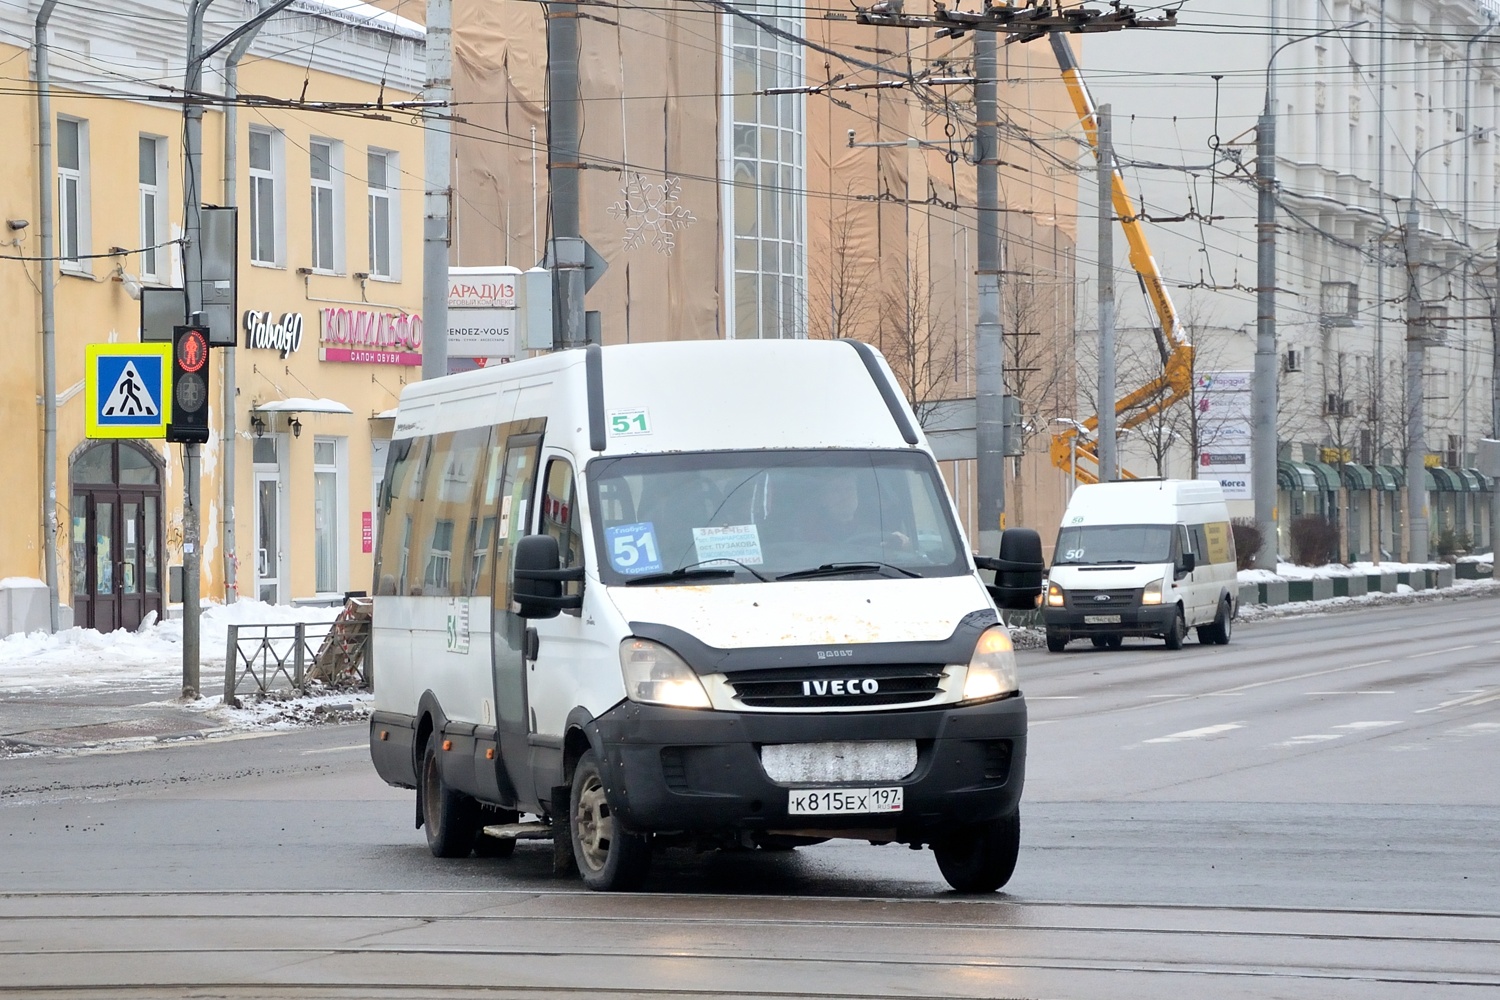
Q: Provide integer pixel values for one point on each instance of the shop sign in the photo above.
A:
(364, 336)
(263, 333)
(482, 312)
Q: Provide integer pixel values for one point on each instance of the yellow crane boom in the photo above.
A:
(1068, 451)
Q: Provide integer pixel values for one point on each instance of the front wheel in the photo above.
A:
(980, 858)
(450, 817)
(609, 857)
(1177, 632)
(1056, 641)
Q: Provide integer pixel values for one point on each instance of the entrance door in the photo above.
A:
(268, 532)
(116, 530)
(508, 630)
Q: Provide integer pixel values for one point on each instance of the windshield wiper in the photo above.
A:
(696, 571)
(844, 568)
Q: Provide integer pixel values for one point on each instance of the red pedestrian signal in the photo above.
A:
(189, 421)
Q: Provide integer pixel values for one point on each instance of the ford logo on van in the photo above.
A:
(1102, 598)
(867, 685)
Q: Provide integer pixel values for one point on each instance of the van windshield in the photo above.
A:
(737, 517)
(1113, 544)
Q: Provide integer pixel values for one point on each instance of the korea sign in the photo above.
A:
(127, 390)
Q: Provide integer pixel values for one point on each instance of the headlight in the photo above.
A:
(1055, 596)
(1152, 593)
(657, 676)
(992, 669)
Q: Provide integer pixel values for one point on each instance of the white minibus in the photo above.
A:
(1143, 557)
(706, 593)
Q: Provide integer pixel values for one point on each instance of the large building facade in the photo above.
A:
(329, 296)
(1394, 99)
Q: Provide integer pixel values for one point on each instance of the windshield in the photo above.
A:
(765, 514)
(1096, 544)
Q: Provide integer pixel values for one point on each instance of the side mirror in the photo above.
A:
(1018, 570)
(540, 578)
(1188, 564)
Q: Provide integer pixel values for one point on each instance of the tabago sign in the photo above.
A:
(127, 390)
(482, 312)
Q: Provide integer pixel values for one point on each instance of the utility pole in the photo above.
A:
(1263, 444)
(565, 248)
(437, 180)
(1495, 399)
(1416, 359)
(989, 354)
(1108, 461)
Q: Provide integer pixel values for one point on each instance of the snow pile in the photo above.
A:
(1291, 571)
(1404, 595)
(151, 656)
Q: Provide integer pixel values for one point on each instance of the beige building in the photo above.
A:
(329, 296)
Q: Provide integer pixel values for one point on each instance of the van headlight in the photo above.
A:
(1056, 598)
(657, 676)
(992, 668)
(1152, 593)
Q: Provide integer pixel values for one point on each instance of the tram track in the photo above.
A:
(568, 943)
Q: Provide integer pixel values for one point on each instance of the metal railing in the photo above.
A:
(260, 658)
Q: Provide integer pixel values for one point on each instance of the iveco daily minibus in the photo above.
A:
(707, 593)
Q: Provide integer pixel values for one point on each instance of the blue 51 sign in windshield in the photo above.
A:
(633, 548)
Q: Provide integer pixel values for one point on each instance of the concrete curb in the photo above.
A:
(1275, 593)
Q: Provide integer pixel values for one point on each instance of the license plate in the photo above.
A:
(1101, 619)
(809, 801)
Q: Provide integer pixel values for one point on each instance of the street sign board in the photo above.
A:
(127, 390)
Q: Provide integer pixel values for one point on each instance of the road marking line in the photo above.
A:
(1366, 725)
(351, 746)
(1297, 741)
(1311, 693)
(1198, 734)
(1435, 652)
(1053, 697)
(1470, 698)
(1225, 694)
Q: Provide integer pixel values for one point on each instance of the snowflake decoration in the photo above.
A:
(654, 209)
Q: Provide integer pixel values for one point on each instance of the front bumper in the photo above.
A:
(1155, 619)
(669, 770)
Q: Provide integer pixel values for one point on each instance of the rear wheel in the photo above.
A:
(1177, 632)
(449, 816)
(1099, 641)
(980, 858)
(1114, 641)
(609, 857)
(1056, 641)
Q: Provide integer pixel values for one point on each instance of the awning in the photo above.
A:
(1357, 477)
(1486, 484)
(1327, 475)
(1472, 480)
(1443, 480)
(301, 404)
(1297, 476)
(1385, 478)
(1394, 474)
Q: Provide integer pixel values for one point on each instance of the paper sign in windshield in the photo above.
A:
(739, 542)
(633, 548)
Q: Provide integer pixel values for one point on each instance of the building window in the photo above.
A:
(328, 522)
(767, 156)
(385, 234)
(72, 190)
(153, 181)
(327, 205)
(266, 226)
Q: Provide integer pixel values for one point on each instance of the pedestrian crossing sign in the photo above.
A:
(128, 390)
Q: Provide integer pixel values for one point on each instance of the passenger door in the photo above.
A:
(508, 629)
(1188, 585)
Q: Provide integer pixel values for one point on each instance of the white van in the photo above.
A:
(1144, 557)
(710, 593)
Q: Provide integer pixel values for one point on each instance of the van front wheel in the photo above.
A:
(980, 858)
(1177, 632)
(1056, 641)
(610, 858)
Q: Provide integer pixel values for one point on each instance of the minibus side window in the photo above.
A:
(400, 499)
(560, 519)
(516, 488)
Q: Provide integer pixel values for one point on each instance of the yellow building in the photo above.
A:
(328, 313)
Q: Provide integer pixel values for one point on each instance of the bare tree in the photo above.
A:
(918, 340)
(841, 280)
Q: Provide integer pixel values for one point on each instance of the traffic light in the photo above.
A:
(189, 421)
